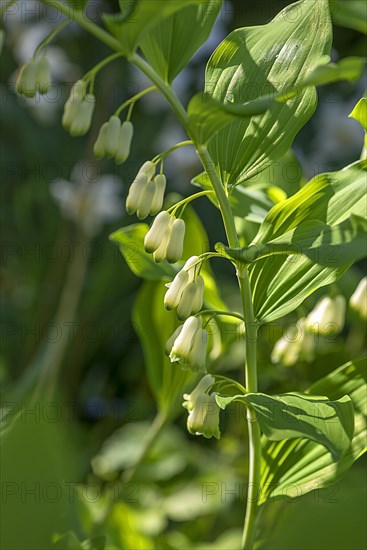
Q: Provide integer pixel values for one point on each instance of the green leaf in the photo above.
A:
(351, 14)
(259, 61)
(131, 243)
(330, 246)
(287, 416)
(359, 113)
(293, 468)
(170, 45)
(137, 18)
(208, 115)
(281, 283)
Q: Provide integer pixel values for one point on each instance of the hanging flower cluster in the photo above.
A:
(146, 193)
(78, 110)
(165, 238)
(203, 410)
(34, 77)
(186, 292)
(188, 345)
(114, 140)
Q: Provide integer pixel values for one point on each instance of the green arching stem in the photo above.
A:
(50, 37)
(186, 201)
(133, 99)
(90, 75)
(228, 382)
(242, 273)
(214, 312)
(168, 151)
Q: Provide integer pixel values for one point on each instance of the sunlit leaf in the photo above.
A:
(330, 246)
(292, 415)
(293, 468)
(260, 61)
(281, 283)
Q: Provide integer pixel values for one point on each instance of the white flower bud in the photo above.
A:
(188, 265)
(160, 187)
(155, 235)
(358, 300)
(198, 301)
(124, 142)
(183, 344)
(328, 316)
(203, 386)
(184, 307)
(81, 124)
(176, 242)
(72, 104)
(99, 148)
(112, 136)
(136, 189)
(172, 339)
(26, 81)
(145, 200)
(43, 75)
(174, 292)
(148, 168)
(204, 417)
(160, 254)
(198, 351)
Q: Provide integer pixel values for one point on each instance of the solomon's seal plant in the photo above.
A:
(260, 90)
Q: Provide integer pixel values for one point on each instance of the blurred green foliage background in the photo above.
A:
(76, 399)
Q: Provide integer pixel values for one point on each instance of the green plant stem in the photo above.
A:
(92, 73)
(186, 201)
(50, 37)
(133, 99)
(242, 274)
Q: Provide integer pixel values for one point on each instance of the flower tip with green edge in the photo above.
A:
(203, 418)
(358, 300)
(186, 292)
(189, 348)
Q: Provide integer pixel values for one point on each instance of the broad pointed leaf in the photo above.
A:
(292, 415)
(136, 18)
(293, 468)
(170, 45)
(330, 246)
(260, 61)
(281, 283)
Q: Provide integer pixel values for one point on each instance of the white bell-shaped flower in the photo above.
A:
(124, 142)
(72, 104)
(295, 345)
(176, 241)
(328, 316)
(27, 78)
(186, 292)
(190, 347)
(358, 300)
(43, 75)
(184, 306)
(203, 419)
(112, 136)
(160, 187)
(154, 237)
(190, 399)
(83, 119)
(173, 295)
